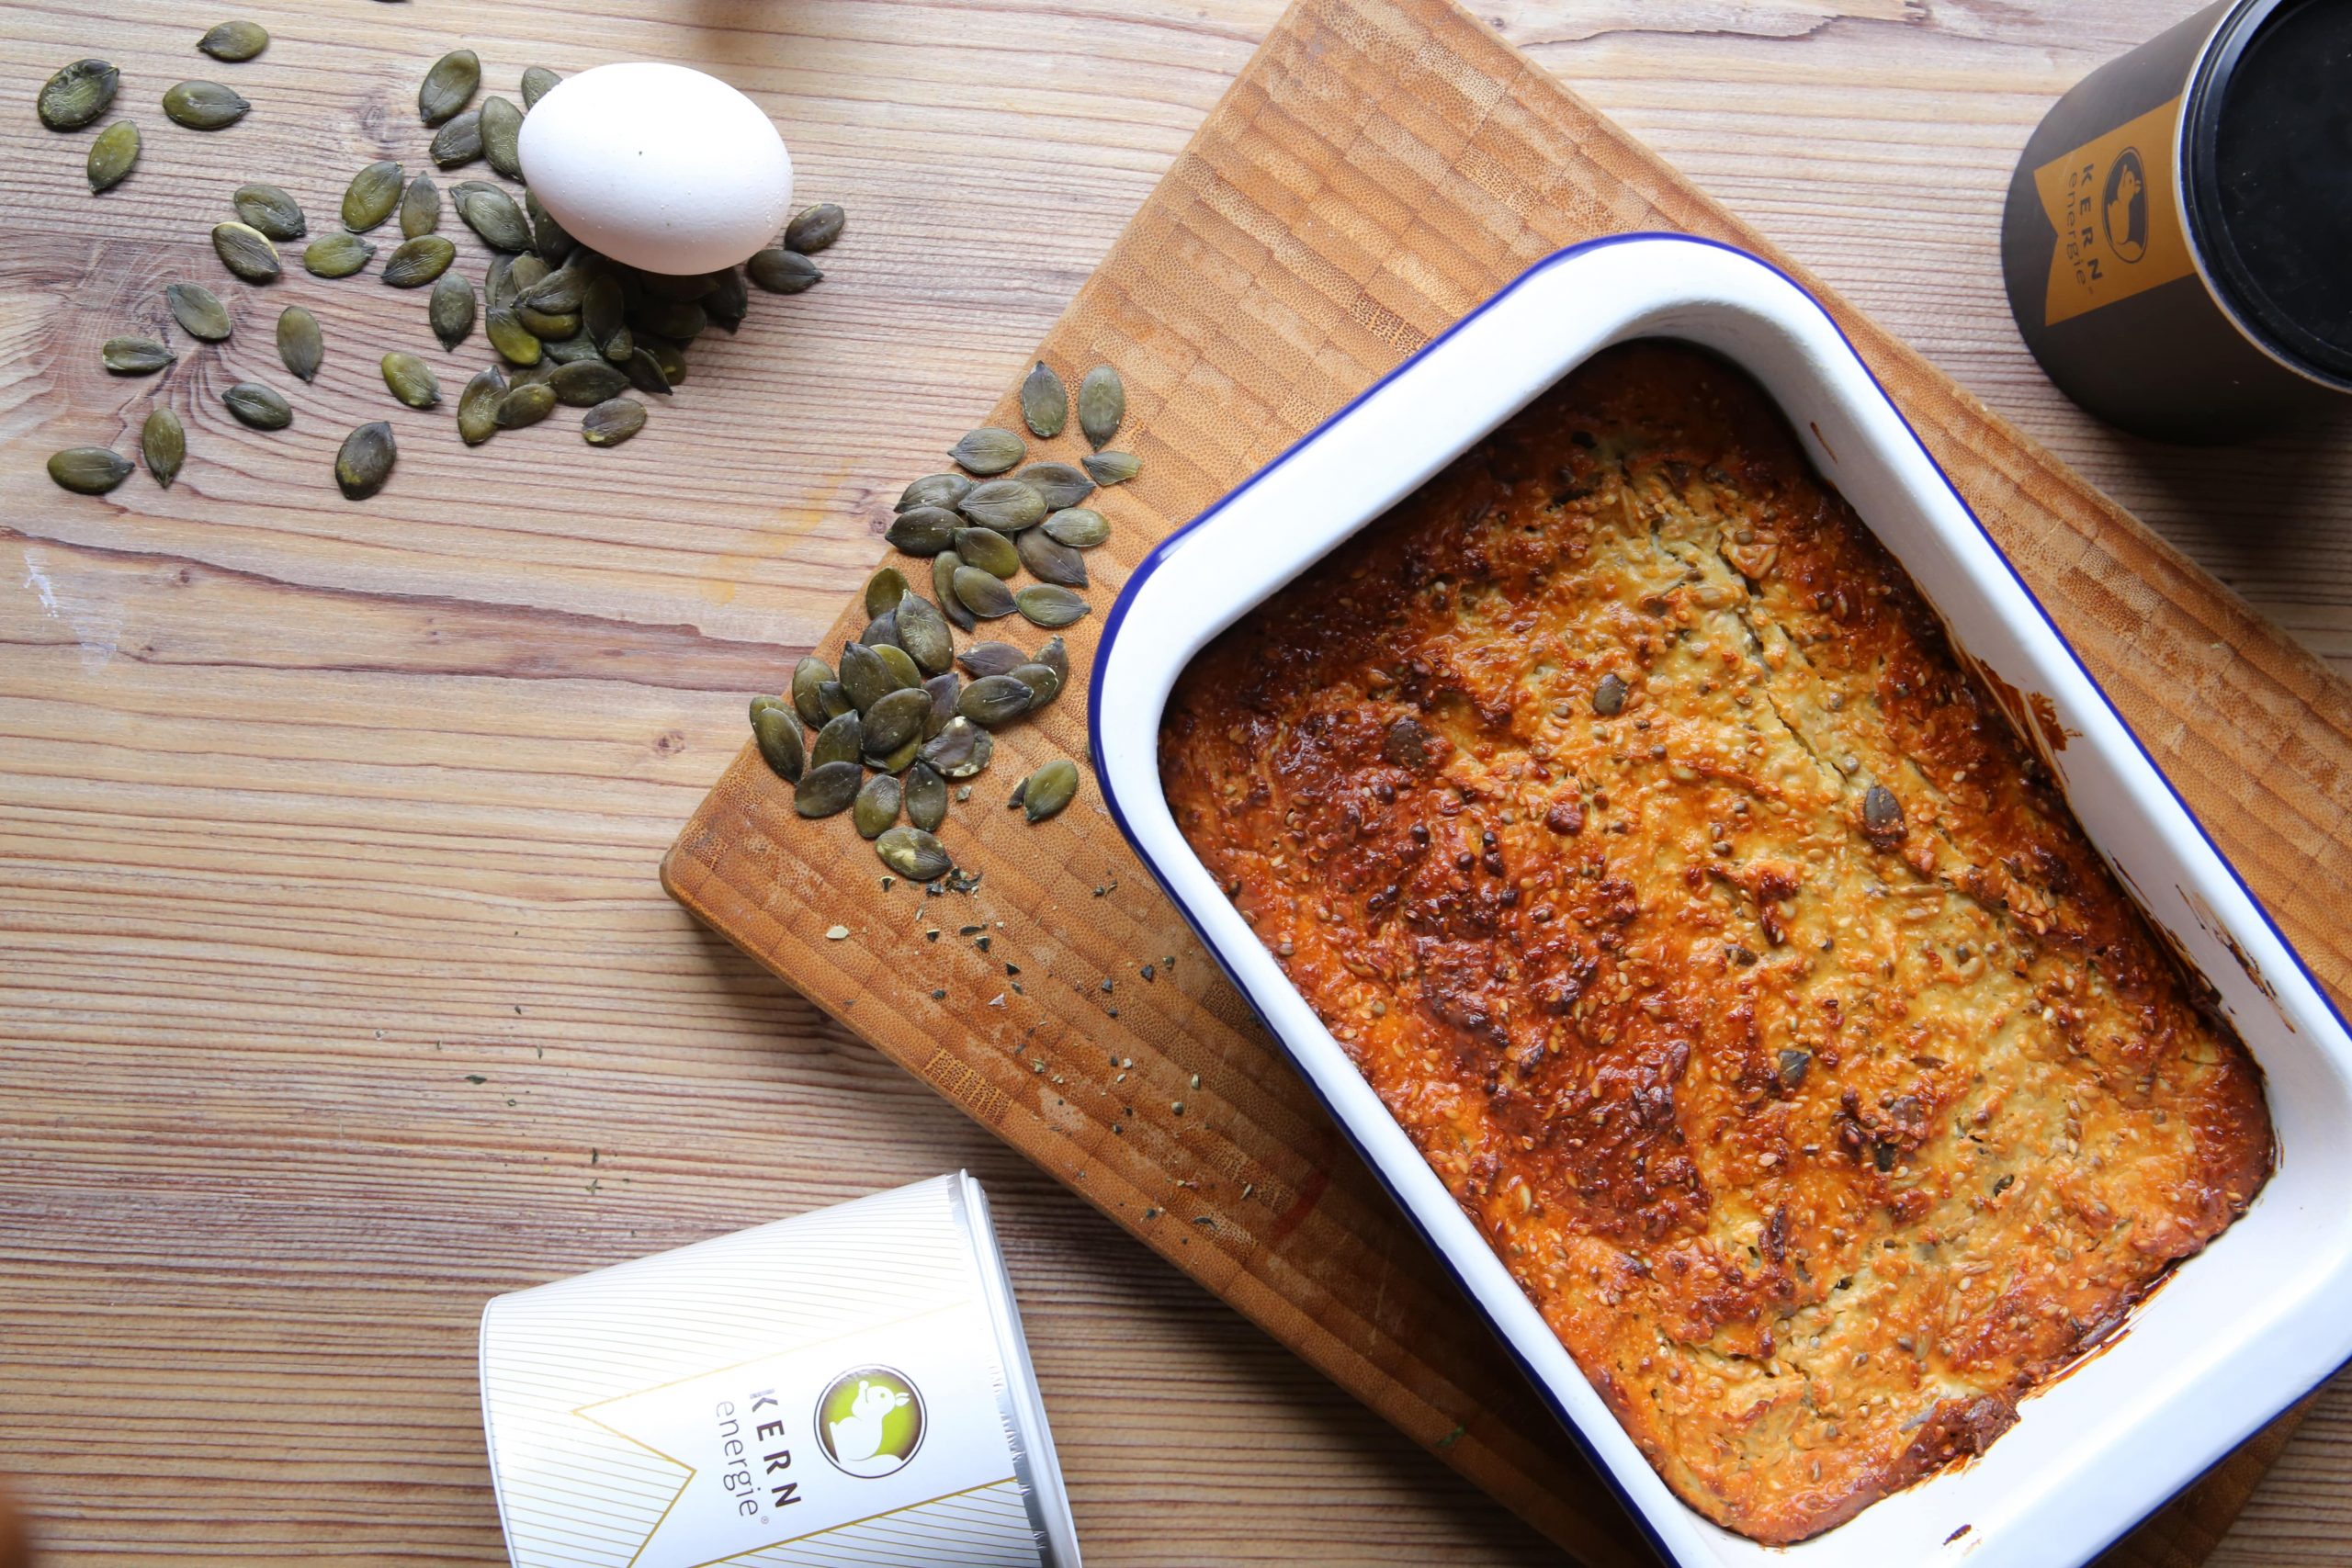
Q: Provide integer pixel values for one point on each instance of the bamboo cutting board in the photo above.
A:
(1379, 169)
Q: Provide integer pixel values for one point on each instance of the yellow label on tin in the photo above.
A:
(2118, 226)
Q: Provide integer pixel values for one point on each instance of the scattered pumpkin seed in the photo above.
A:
(1006, 505)
(960, 750)
(548, 238)
(271, 211)
(989, 550)
(922, 631)
(835, 700)
(807, 676)
(70, 99)
(1101, 405)
(884, 589)
(451, 310)
(1062, 484)
(926, 797)
(1609, 695)
(364, 460)
(730, 302)
(1049, 561)
(1112, 467)
(995, 700)
(133, 355)
(681, 321)
(494, 215)
(781, 271)
(986, 658)
(983, 592)
(945, 689)
(841, 739)
(525, 404)
(501, 123)
(511, 338)
(934, 490)
(814, 228)
(584, 383)
(943, 567)
(204, 106)
(612, 422)
(1882, 816)
(987, 450)
(478, 405)
(1042, 681)
(519, 274)
(88, 471)
(645, 372)
(416, 263)
(112, 154)
(1049, 604)
(778, 730)
(896, 718)
(412, 381)
(235, 42)
(1045, 791)
(420, 208)
(902, 663)
(258, 406)
(537, 83)
(371, 196)
(1055, 656)
(923, 530)
(300, 345)
(827, 789)
(1079, 528)
(667, 355)
(877, 806)
(865, 676)
(336, 255)
(1045, 402)
(456, 143)
(600, 311)
(246, 252)
(162, 441)
(448, 87)
(913, 854)
(199, 311)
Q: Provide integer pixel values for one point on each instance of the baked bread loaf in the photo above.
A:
(1620, 807)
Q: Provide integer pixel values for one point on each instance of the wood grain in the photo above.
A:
(310, 815)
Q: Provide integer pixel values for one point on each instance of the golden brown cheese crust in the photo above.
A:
(1778, 1025)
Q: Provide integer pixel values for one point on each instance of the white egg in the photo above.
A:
(658, 166)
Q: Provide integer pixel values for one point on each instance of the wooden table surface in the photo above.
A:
(340, 993)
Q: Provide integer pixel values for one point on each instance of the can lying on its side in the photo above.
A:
(2177, 235)
(852, 1381)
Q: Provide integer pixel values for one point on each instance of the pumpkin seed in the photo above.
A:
(995, 700)
(914, 854)
(1101, 405)
(1050, 788)
(1882, 817)
(1112, 467)
(584, 383)
(645, 372)
(548, 238)
(1079, 528)
(841, 739)
(88, 471)
(371, 196)
(898, 760)
(525, 404)
(199, 311)
(934, 490)
(730, 302)
(943, 688)
(883, 592)
(300, 345)
(827, 788)
(959, 750)
(864, 676)
(162, 441)
(478, 405)
(986, 658)
(987, 450)
(410, 380)
(133, 355)
(258, 406)
(1049, 604)
(783, 271)
(983, 592)
(512, 276)
(245, 252)
(234, 41)
(926, 797)
(1056, 657)
(416, 263)
(271, 211)
(204, 106)
(814, 228)
(943, 567)
(877, 806)
(1609, 695)
(451, 310)
(511, 338)
(922, 631)
(537, 83)
(448, 87)
(336, 255)
(1042, 682)
(896, 718)
(561, 292)
(1005, 505)
(420, 208)
(501, 122)
(989, 550)
(835, 700)
(1051, 561)
(612, 422)
(73, 97)
(364, 460)
(777, 729)
(676, 285)
(494, 215)
(112, 154)
(902, 663)
(923, 530)
(532, 375)
(600, 311)
(807, 676)
(682, 320)
(882, 628)
(665, 354)
(570, 350)
(1044, 403)
(1059, 484)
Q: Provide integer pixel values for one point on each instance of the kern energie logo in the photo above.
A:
(870, 1422)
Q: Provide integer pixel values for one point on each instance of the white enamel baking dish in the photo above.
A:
(2240, 1331)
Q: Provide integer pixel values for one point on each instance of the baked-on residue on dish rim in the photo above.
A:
(2241, 1331)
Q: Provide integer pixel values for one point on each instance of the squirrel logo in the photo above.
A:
(869, 1422)
(2123, 206)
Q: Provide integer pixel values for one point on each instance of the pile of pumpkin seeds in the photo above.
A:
(895, 724)
(569, 327)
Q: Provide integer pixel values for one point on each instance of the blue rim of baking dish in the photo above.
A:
(1161, 552)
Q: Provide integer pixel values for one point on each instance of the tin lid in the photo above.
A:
(2267, 171)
